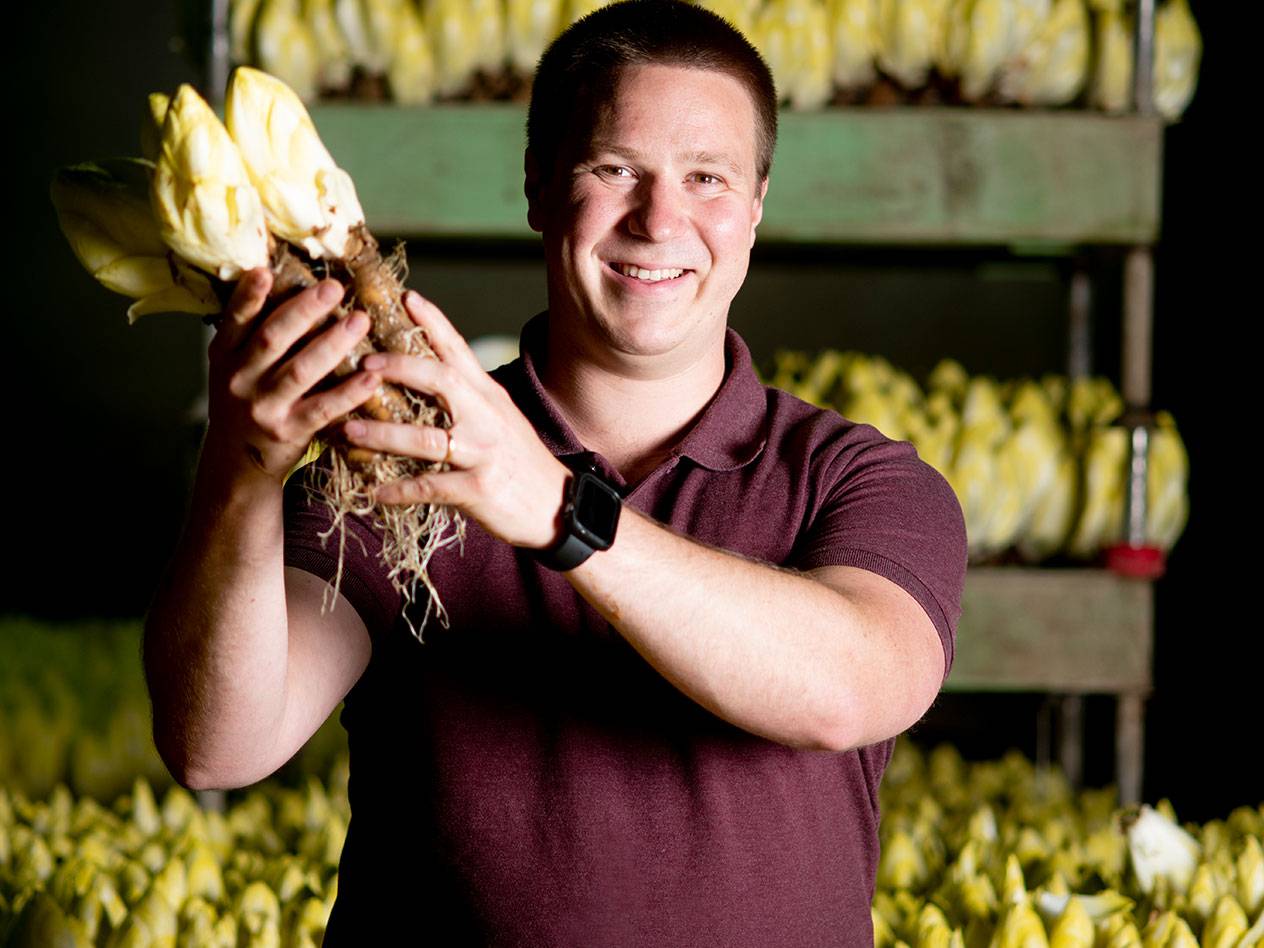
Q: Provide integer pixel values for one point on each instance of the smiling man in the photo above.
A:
(691, 613)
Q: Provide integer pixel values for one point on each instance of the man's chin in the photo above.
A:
(659, 343)
(646, 336)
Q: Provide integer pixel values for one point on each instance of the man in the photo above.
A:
(673, 741)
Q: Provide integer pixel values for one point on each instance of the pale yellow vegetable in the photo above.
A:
(208, 211)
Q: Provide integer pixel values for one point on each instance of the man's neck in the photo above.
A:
(631, 417)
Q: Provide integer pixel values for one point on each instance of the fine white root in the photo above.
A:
(411, 534)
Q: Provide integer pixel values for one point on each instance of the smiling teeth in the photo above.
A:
(651, 276)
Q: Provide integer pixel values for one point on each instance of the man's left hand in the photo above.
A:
(499, 472)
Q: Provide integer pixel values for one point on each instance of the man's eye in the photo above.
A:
(613, 171)
(703, 177)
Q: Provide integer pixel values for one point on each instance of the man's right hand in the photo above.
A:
(261, 414)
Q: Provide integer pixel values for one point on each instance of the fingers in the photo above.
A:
(295, 377)
(416, 441)
(435, 487)
(317, 412)
(449, 345)
(293, 319)
(425, 375)
(243, 306)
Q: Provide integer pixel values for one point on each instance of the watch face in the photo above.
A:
(596, 511)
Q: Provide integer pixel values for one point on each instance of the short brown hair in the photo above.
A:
(582, 66)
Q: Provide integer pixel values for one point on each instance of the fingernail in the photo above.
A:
(412, 299)
(355, 429)
(330, 292)
(356, 323)
(375, 361)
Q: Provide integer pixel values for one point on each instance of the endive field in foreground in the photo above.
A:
(99, 847)
(985, 854)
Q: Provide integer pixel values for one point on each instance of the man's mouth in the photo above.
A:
(647, 275)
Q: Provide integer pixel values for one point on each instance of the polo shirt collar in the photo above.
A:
(730, 434)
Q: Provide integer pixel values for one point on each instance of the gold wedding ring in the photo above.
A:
(447, 456)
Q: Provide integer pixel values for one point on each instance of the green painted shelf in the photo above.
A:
(895, 176)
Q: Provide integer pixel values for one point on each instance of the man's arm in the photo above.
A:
(834, 659)
(241, 668)
(828, 660)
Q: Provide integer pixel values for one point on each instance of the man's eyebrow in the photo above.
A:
(696, 157)
(714, 158)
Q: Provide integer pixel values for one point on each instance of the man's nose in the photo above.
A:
(658, 212)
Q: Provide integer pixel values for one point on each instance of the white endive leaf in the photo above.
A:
(1161, 848)
(208, 211)
(307, 199)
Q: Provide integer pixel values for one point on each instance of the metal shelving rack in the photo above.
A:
(890, 177)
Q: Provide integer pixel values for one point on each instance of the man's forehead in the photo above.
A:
(596, 116)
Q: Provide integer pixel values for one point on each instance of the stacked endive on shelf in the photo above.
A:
(176, 229)
(1039, 466)
(991, 52)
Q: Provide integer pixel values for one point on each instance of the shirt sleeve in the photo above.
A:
(313, 544)
(880, 507)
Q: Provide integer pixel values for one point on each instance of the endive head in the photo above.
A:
(151, 124)
(104, 211)
(208, 211)
(307, 199)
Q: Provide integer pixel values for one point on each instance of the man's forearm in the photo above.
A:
(764, 648)
(760, 647)
(215, 646)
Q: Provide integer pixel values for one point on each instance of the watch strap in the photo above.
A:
(566, 555)
(572, 550)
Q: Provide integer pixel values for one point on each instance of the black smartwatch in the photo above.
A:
(590, 516)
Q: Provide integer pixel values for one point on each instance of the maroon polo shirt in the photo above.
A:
(525, 778)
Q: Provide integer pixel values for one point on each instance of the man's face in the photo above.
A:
(649, 218)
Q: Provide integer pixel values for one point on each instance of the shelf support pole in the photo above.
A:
(1129, 746)
(1137, 385)
(1143, 47)
(1138, 326)
(1080, 324)
(1071, 738)
(1044, 732)
(1138, 333)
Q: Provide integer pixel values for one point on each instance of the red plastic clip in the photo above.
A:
(1138, 562)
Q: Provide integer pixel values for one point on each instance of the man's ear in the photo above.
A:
(758, 208)
(531, 187)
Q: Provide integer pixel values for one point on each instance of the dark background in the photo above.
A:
(102, 437)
